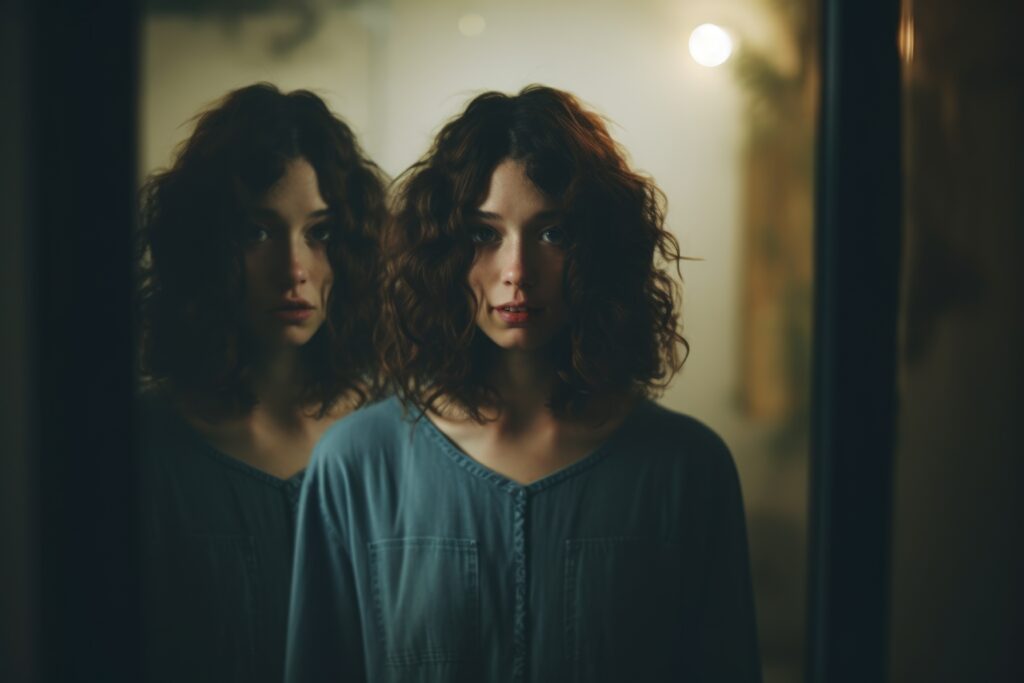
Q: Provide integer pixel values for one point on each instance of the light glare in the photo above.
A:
(472, 25)
(710, 45)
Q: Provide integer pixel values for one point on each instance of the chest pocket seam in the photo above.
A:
(411, 616)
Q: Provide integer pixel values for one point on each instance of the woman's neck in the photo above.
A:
(278, 380)
(525, 381)
(526, 440)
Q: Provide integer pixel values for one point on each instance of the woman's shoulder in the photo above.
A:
(365, 448)
(662, 421)
(678, 435)
(157, 422)
(376, 428)
(169, 454)
(369, 423)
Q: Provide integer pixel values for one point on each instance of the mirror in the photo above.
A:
(715, 100)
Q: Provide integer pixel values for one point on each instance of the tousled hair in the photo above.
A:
(622, 336)
(191, 238)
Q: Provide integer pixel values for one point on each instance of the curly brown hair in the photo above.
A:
(623, 333)
(192, 234)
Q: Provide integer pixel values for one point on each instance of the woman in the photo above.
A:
(259, 268)
(530, 515)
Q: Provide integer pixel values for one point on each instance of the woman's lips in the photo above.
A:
(517, 315)
(293, 313)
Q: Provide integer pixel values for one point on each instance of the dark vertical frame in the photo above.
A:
(81, 167)
(17, 532)
(857, 255)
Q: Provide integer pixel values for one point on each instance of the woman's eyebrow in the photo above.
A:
(545, 216)
(536, 218)
(321, 213)
(263, 213)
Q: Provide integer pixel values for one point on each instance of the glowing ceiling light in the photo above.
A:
(471, 25)
(710, 45)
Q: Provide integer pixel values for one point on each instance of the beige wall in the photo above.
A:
(188, 63)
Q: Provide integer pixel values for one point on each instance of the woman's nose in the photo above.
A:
(295, 260)
(516, 270)
(298, 272)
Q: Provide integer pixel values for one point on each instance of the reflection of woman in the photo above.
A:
(532, 515)
(259, 270)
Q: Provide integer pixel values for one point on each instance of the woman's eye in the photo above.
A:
(482, 234)
(255, 233)
(321, 232)
(554, 236)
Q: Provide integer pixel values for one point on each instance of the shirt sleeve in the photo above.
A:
(324, 630)
(726, 630)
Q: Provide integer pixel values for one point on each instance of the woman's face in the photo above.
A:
(520, 257)
(288, 275)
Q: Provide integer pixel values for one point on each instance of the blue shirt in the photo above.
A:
(416, 563)
(217, 548)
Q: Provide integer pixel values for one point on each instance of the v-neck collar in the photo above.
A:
(476, 468)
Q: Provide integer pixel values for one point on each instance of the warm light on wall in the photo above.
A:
(472, 25)
(906, 36)
(710, 45)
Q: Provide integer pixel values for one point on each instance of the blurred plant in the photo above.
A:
(778, 226)
(308, 16)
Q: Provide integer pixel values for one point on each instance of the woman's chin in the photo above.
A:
(291, 337)
(520, 340)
